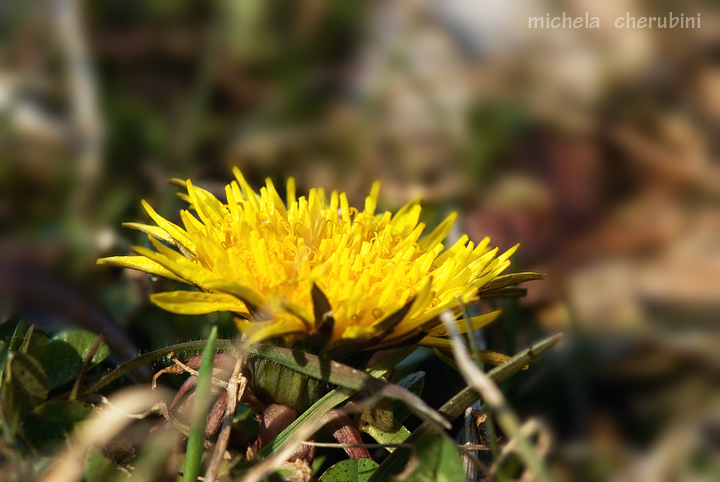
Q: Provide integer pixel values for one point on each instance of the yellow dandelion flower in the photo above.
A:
(315, 273)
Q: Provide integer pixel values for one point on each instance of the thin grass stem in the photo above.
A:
(196, 439)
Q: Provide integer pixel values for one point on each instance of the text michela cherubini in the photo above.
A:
(627, 21)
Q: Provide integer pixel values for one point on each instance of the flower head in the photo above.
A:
(315, 272)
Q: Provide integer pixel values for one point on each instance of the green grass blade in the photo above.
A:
(201, 405)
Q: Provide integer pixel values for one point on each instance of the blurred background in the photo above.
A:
(596, 149)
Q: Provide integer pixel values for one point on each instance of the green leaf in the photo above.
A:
(38, 345)
(387, 415)
(383, 422)
(395, 436)
(510, 280)
(438, 460)
(50, 423)
(13, 343)
(31, 342)
(318, 463)
(65, 353)
(350, 470)
(504, 293)
(275, 383)
(18, 336)
(25, 386)
(378, 419)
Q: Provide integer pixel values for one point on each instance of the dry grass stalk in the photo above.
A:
(236, 390)
(494, 400)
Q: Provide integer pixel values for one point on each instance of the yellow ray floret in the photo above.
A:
(315, 271)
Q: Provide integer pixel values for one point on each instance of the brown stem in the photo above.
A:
(235, 392)
(344, 431)
(276, 418)
(216, 414)
(184, 388)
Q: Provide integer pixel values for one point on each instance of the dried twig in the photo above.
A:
(236, 390)
(529, 428)
(336, 445)
(494, 400)
(215, 381)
